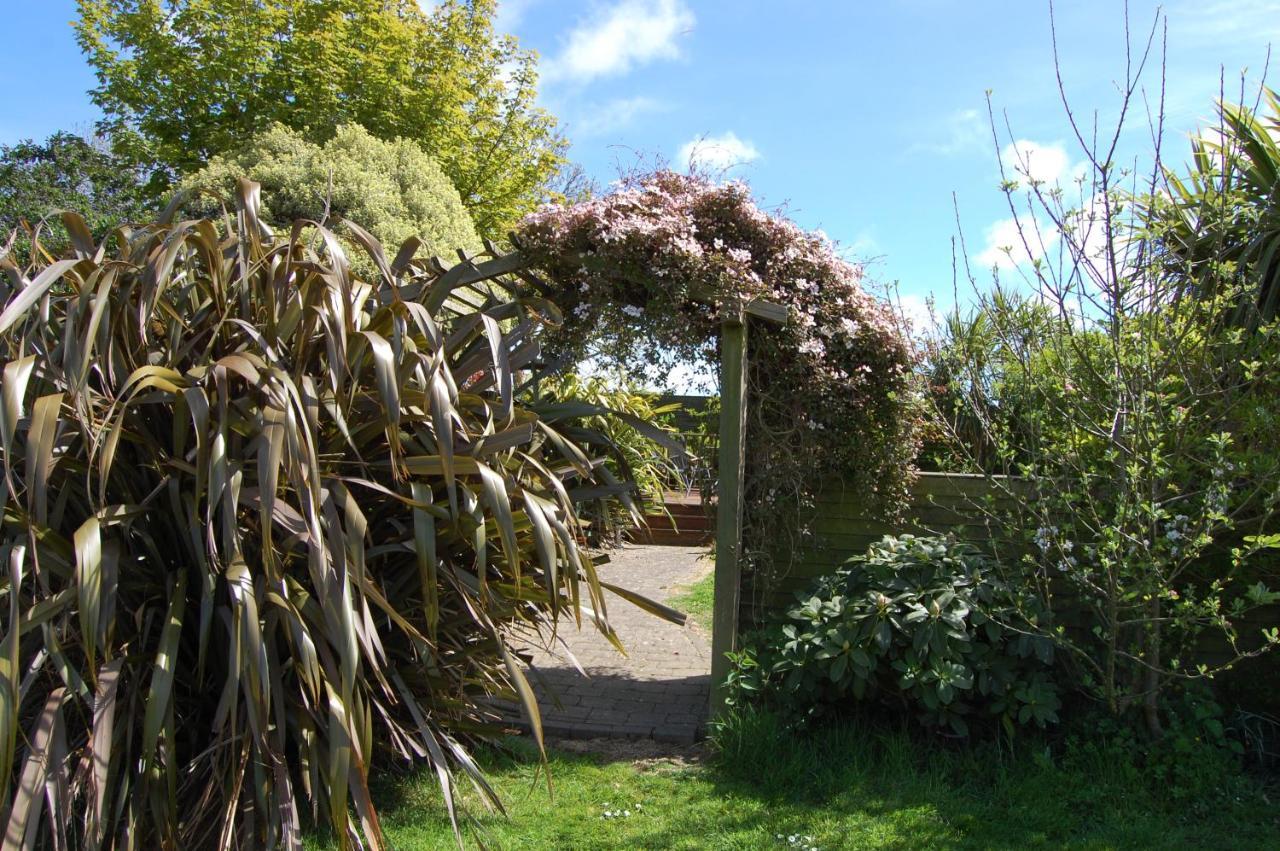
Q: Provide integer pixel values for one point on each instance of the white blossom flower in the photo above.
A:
(813, 347)
(1045, 536)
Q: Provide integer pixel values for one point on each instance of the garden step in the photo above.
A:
(661, 521)
(670, 538)
(683, 522)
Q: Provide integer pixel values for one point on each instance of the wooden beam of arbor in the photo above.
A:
(728, 572)
(468, 272)
(766, 310)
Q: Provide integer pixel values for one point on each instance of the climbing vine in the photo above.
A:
(645, 272)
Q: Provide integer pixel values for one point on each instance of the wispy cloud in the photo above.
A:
(864, 245)
(1218, 21)
(963, 131)
(510, 14)
(621, 37)
(716, 153)
(611, 116)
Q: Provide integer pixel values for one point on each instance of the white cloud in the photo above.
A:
(598, 119)
(1006, 247)
(625, 35)
(716, 153)
(1085, 246)
(1048, 164)
(1035, 161)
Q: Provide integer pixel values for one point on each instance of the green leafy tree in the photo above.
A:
(181, 81)
(972, 370)
(65, 172)
(1138, 429)
(394, 189)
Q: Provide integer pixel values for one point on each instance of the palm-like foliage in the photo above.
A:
(628, 430)
(1218, 227)
(264, 524)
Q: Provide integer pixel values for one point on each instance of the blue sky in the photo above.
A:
(863, 118)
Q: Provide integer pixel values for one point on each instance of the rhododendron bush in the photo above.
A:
(646, 273)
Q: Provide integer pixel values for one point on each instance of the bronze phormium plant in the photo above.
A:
(265, 525)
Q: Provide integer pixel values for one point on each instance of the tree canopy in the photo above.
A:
(181, 81)
(66, 172)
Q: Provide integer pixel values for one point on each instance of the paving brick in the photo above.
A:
(660, 689)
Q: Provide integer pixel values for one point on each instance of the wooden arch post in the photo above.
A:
(732, 461)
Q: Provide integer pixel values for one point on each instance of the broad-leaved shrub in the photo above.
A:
(921, 623)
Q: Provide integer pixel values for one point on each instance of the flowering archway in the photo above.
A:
(672, 268)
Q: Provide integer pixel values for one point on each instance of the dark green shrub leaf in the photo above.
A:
(932, 611)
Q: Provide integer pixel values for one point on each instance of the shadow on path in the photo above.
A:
(661, 689)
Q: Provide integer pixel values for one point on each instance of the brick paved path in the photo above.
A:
(661, 688)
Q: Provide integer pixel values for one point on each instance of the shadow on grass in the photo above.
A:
(891, 785)
(858, 784)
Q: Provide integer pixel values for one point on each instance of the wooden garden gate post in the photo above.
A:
(733, 427)
(732, 459)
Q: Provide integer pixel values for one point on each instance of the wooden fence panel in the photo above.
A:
(938, 503)
(961, 505)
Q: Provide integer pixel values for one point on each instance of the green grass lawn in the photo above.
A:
(849, 787)
(697, 600)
